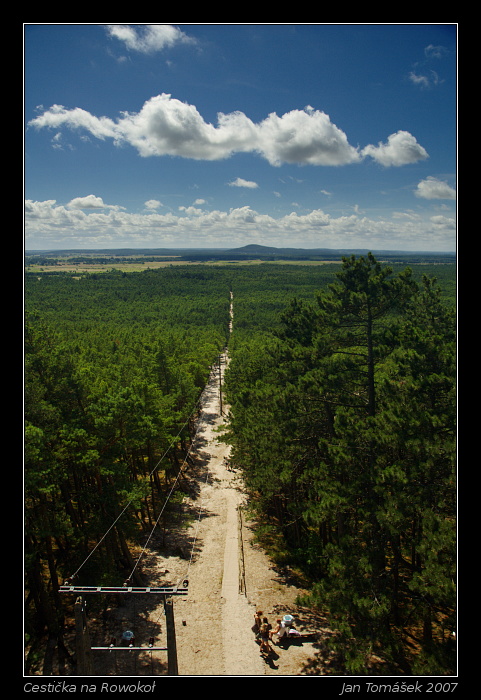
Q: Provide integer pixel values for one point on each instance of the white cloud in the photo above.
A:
(168, 127)
(423, 76)
(401, 149)
(432, 188)
(191, 211)
(152, 204)
(89, 202)
(49, 225)
(435, 51)
(425, 80)
(148, 38)
(421, 80)
(57, 116)
(239, 182)
(413, 216)
(304, 136)
(444, 222)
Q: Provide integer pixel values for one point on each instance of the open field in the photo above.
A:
(138, 266)
(65, 265)
(79, 262)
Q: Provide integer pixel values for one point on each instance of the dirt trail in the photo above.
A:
(231, 577)
(214, 636)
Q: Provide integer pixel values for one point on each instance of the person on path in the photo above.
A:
(265, 635)
(278, 629)
(257, 622)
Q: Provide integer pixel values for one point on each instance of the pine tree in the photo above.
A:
(346, 428)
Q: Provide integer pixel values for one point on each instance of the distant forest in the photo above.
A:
(249, 252)
(341, 389)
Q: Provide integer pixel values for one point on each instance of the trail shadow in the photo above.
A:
(209, 417)
(178, 540)
(271, 658)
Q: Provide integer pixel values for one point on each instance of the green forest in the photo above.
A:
(341, 387)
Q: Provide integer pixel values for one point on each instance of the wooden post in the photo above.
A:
(172, 668)
(220, 383)
(84, 660)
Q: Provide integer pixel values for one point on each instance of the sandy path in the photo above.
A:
(213, 623)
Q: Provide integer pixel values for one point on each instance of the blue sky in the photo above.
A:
(222, 135)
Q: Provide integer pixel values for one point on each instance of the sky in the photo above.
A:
(222, 135)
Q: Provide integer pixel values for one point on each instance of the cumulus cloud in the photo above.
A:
(240, 182)
(305, 136)
(148, 38)
(443, 222)
(191, 211)
(89, 202)
(58, 116)
(152, 204)
(432, 188)
(48, 223)
(401, 149)
(166, 126)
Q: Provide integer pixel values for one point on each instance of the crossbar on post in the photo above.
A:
(112, 648)
(163, 590)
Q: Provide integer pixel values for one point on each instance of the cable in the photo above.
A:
(200, 508)
(129, 503)
(172, 489)
(166, 501)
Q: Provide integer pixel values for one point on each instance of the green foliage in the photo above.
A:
(342, 394)
(114, 367)
(343, 420)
